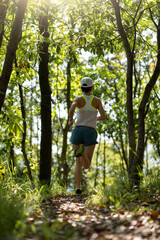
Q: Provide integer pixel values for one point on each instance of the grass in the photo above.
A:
(118, 193)
(19, 202)
(11, 211)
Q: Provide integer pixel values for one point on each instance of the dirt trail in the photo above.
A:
(79, 221)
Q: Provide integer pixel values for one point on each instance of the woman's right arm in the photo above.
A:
(71, 111)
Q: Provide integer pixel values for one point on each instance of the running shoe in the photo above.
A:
(78, 191)
(79, 151)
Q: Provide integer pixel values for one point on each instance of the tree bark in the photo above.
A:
(23, 113)
(104, 162)
(11, 49)
(46, 131)
(11, 155)
(129, 82)
(24, 134)
(64, 164)
(139, 158)
(97, 156)
(122, 145)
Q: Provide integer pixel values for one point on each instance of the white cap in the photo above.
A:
(86, 82)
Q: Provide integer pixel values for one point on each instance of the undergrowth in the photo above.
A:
(119, 193)
(20, 199)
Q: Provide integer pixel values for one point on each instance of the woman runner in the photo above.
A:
(84, 135)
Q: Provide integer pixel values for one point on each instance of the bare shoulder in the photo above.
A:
(79, 101)
(97, 99)
(96, 102)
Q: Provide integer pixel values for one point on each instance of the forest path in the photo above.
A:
(71, 218)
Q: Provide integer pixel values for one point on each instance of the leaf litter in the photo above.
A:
(71, 217)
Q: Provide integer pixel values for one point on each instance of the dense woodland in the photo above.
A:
(46, 48)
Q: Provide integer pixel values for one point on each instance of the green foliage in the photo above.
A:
(19, 203)
(118, 194)
(11, 211)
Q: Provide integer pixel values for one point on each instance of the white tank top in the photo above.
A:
(87, 116)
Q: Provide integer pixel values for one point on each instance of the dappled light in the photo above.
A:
(78, 219)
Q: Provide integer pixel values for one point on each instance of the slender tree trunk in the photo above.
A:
(12, 155)
(64, 164)
(11, 49)
(138, 162)
(130, 118)
(104, 162)
(3, 11)
(136, 156)
(124, 156)
(24, 134)
(11, 152)
(97, 156)
(129, 82)
(46, 131)
(23, 112)
(31, 124)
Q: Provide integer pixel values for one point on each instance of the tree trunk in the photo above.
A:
(3, 10)
(64, 164)
(122, 145)
(24, 134)
(31, 124)
(11, 155)
(11, 49)
(129, 82)
(97, 156)
(23, 113)
(46, 131)
(138, 161)
(136, 156)
(104, 162)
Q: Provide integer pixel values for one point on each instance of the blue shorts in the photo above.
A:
(84, 135)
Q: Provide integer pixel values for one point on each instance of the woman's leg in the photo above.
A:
(87, 156)
(78, 169)
(84, 161)
(78, 172)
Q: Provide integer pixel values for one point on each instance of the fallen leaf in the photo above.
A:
(154, 214)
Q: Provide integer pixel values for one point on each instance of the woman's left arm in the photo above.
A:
(102, 116)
